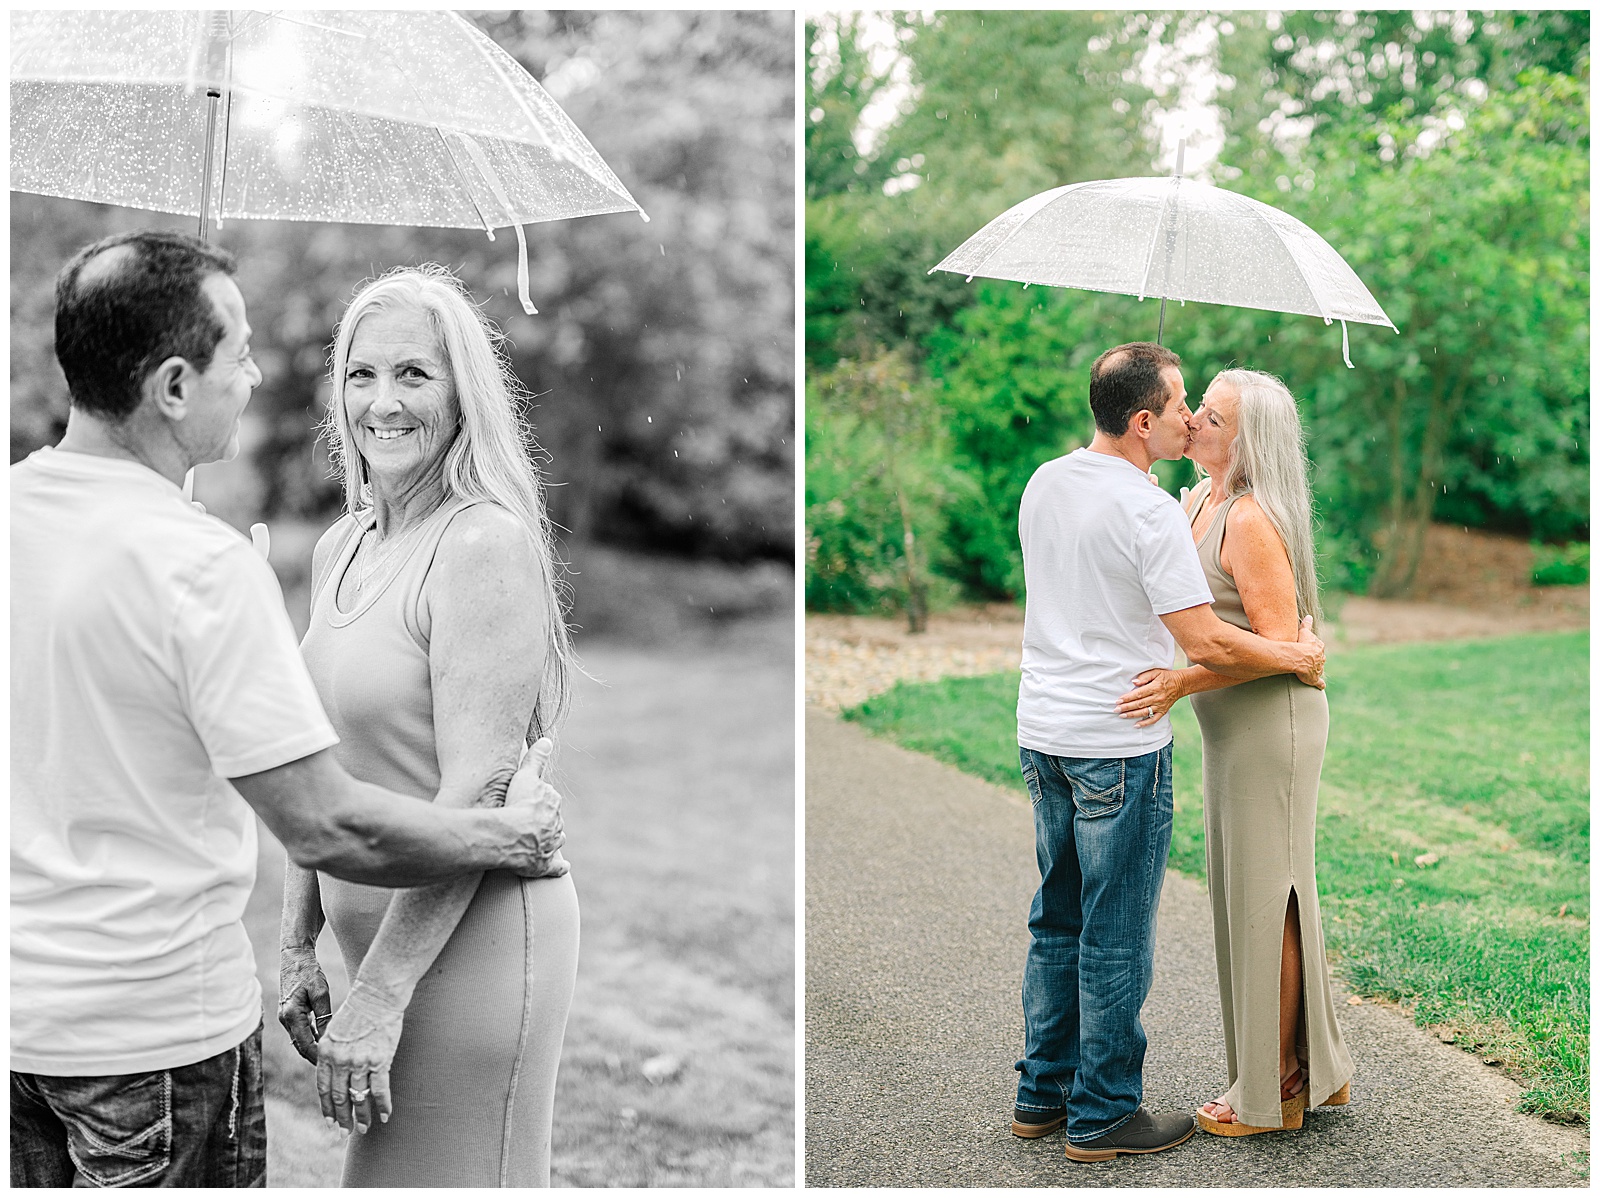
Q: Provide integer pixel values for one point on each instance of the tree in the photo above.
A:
(1012, 103)
(1479, 251)
(1014, 377)
(1288, 76)
(875, 487)
(1002, 105)
(840, 83)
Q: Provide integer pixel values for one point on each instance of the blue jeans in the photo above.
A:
(200, 1125)
(1102, 827)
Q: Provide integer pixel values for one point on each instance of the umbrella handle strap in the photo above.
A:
(527, 304)
(1345, 327)
(475, 152)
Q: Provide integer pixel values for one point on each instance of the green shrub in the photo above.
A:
(1560, 565)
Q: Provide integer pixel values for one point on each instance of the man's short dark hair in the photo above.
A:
(1126, 380)
(118, 319)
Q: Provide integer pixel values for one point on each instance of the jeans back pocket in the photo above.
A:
(1098, 784)
(119, 1129)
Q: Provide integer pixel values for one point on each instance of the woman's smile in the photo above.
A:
(399, 395)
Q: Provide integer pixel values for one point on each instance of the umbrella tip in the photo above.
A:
(644, 216)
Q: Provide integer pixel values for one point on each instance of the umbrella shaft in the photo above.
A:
(1161, 323)
(212, 96)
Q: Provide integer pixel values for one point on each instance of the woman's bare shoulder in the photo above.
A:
(483, 527)
(485, 570)
(1250, 526)
(486, 538)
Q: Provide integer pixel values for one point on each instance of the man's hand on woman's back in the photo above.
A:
(531, 796)
(1311, 673)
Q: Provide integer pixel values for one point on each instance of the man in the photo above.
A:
(155, 680)
(1112, 579)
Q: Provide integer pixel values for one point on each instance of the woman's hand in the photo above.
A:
(353, 1059)
(303, 1002)
(1154, 693)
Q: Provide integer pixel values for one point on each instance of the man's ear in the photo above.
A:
(1142, 422)
(166, 388)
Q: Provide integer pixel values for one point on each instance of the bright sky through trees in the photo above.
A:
(1183, 73)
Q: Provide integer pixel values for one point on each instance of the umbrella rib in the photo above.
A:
(1273, 225)
(1061, 191)
(1150, 257)
(434, 124)
(1054, 194)
(466, 185)
(485, 44)
(282, 15)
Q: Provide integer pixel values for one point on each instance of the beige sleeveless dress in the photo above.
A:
(474, 1077)
(1262, 744)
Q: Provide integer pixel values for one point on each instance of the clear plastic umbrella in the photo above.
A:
(405, 118)
(1174, 238)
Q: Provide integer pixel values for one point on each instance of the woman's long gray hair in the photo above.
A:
(1268, 459)
(494, 454)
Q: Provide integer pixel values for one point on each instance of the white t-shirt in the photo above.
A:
(151, 659)
(1105, 553)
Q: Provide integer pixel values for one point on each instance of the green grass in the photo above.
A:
(1475, 751)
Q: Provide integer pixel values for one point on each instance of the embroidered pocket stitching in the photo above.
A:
(164, 1151)
(1089, 795)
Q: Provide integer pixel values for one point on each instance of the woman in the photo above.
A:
(436, 631)
(1263, 743)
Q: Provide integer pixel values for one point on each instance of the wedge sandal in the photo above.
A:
(1293, 1108)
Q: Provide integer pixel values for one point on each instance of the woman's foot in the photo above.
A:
(1292, 1082)
(1290, 1087)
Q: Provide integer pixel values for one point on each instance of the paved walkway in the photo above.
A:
(918, 879)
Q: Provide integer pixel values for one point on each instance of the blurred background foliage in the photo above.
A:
(662, 357)
(1445, 155)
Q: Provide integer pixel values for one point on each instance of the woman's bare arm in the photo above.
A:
(1253, 552)
(486, 603)
(1254, 555)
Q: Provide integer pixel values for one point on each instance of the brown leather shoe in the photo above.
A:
(1030, 1125)
(1143, 1132)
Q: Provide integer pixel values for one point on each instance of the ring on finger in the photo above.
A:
(358, 1096)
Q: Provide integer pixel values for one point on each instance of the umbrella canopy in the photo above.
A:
(1170, 237)
(408, 118)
